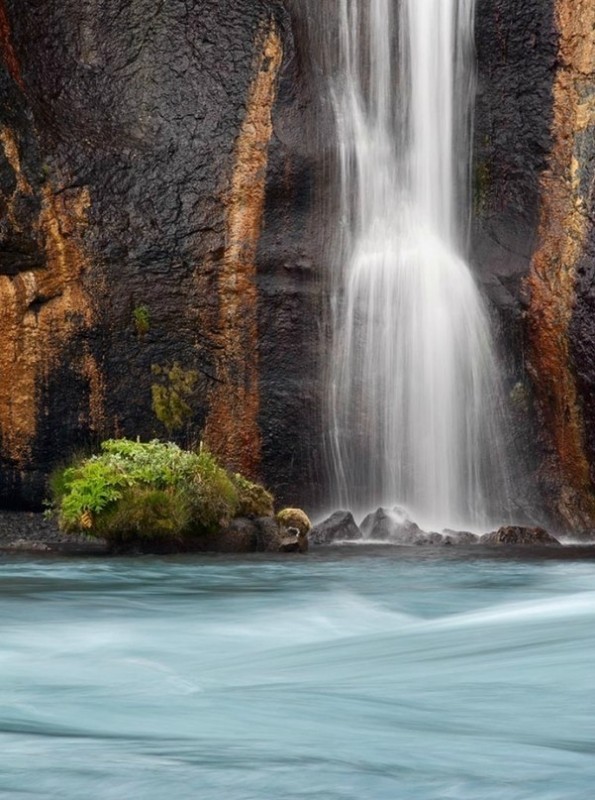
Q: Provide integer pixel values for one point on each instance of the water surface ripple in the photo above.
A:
(344, 676)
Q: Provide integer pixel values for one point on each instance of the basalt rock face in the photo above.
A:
(517, 46)
(174, 156)
(154, 155)
(533, 234)
(560, 340)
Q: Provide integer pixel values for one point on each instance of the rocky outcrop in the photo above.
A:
(22, 532)
(514, 535)
(532, 235)
(517, 45)
(146, 152)
(566, 224)
(175, 157)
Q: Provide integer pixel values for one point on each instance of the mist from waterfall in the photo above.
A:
(415, 394)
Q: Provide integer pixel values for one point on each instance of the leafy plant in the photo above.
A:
(172, 394)
(140, 490)
(146, 513)
(142, 320)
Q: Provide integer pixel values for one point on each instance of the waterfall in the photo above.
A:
(414, 388)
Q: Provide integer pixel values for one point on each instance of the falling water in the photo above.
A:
(415, 392)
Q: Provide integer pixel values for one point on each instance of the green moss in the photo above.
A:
(144, 490)
(141, 317)
(254, 500)
(172, 395)
(145, 513)
(294, 518)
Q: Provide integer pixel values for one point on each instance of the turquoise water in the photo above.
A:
(345, 675)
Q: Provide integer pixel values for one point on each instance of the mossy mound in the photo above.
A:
(294, 518)
(253, 500)
(151, 491)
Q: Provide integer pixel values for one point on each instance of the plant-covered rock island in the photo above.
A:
(157, 497)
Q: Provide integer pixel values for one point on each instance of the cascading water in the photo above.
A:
(414, 387)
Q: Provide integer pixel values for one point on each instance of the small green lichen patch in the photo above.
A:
(141, 316)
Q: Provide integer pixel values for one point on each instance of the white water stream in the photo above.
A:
(414, 386)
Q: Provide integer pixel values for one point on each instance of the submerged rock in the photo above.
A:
(518, 535)
(340, 526)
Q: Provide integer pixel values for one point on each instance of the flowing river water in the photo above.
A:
(352, 674)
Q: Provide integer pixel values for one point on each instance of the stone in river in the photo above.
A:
(340, 526)
(518, 535)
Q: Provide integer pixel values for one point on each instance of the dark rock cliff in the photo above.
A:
(517, 46)
(170, 156)
(533, 233)
(152, 155)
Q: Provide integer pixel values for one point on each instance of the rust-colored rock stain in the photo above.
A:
(7, 50)
(232, 430)
(40, 312)
(562, 234)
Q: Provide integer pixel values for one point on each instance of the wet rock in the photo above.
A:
(294, 518)
(240, 536)
(393, 526)
(340, 526)
(269, 535)
(428, 539)
(451, 537)
(517, 535)
(296, 541)
(34, 533)
(28, 546)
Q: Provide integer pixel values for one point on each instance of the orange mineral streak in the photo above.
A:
(40, 312)
(563, 229)
(7, 49)
(232, 431)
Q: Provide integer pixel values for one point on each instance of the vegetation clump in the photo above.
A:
(172, 394)
(142, 320)
(134, 491)
(253, 499)
(294, 518)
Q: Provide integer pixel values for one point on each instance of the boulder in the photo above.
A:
(240, 536)
(269, 535)
(397, 527)
(340, 526)
(294, 518)
(517, 535)
(260, 535)
(295, 541)
(451, 537)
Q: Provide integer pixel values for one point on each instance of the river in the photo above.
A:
(352, 673)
